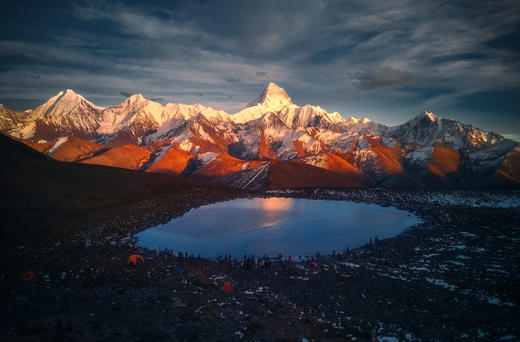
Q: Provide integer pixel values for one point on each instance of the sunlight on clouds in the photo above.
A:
(324, 53)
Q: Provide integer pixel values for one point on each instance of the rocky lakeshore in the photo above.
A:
(454, 277)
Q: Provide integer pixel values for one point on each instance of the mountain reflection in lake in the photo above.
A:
(276, 225)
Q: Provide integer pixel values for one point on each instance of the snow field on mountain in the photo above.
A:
(273, 127)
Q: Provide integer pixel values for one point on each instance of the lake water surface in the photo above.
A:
(259, 226)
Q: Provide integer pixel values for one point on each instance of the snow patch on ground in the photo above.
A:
(257, 171)
(25, 132)
(441, 283)
(162, 152)
(483, 200)
(387, 339)
(60, 141)
(496, 301)
(208, 157)
(186, 145)
(184, 136)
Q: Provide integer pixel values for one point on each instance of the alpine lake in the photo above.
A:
(273, 226)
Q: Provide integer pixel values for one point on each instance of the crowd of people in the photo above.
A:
(249, 262)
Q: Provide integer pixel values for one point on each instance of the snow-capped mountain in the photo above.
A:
(427, 130)
(273, 99)
(205, 142)
(67, 113)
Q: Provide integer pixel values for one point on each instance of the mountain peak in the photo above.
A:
(136, 99)
(273, 87)
(70, 95)
(429, 115)
(273, 98)
(354, 120)
(67, 96)
(63, 104)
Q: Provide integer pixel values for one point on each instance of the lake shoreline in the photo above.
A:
(290, 227)
(435, 281)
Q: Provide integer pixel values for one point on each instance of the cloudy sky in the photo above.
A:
(388, 60)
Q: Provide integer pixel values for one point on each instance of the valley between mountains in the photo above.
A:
(271, 144)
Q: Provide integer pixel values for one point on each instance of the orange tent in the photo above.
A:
(227, 287)
(29, 275)
(135, 259)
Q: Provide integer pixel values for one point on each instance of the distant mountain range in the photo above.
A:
(272, 143)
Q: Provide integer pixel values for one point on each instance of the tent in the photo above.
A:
(227, 287)
(135, 259)
(29, 275)
(177, 270)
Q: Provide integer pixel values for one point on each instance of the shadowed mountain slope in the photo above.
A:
(42, 194)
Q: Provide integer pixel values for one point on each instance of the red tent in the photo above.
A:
(29, 275)
(135, 259)
(227, 287)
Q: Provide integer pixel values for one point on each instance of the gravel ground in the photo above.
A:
(452, 278)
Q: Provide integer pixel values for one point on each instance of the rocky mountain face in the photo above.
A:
(272, 143)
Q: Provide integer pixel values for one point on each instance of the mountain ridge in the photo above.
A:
(271, 128)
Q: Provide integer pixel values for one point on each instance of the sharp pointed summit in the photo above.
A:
(136, 99)
(64, 103)
(273, 98)
(271, 128)
(69, 95)
(71, 92)
(429, 115)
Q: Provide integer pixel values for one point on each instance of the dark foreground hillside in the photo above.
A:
(40, 195)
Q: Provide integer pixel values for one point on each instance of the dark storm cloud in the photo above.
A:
(410, 55)
(454, 58)
(381, 77)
